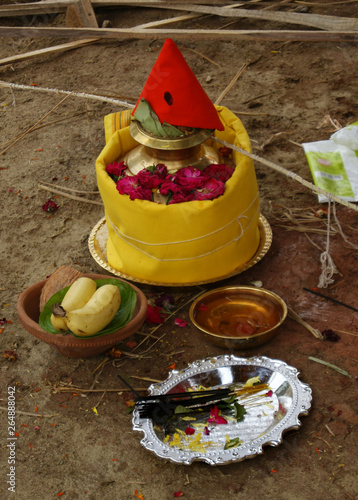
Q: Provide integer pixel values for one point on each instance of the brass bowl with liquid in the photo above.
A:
(238, 317)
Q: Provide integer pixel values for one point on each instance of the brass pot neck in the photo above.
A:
(173, 155)
(141, 136)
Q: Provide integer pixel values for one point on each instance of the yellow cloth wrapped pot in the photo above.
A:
(116, 121)
(186, 242)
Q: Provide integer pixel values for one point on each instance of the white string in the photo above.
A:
(328, 266)
(126, 237)
(13, 98)
(341, 230)
(186, 241)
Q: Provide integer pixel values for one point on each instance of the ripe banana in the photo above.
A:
(76, 297)
(58, 322)
(96, 314)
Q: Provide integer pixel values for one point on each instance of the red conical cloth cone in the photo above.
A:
(175, 94)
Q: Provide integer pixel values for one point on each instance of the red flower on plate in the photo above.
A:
(215, 416)
(189, 431)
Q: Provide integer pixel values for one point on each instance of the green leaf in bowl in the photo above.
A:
(122, 317)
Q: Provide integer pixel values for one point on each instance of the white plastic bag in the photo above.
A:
(347, 136)
(334, 163)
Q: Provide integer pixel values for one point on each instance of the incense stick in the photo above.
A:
(129, 386)
(330, 298)
(165, 405)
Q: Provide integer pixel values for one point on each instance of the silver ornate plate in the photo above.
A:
(266, 419)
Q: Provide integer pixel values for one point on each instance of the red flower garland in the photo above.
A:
(186, 184)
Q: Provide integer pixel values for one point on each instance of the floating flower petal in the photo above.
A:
(180, 322)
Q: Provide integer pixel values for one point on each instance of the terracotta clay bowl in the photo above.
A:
(28, 308)
(238, 317)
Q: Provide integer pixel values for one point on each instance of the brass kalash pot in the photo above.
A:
(175, 153)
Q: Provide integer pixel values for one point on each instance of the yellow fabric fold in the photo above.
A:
(186, 242)
(116, 121)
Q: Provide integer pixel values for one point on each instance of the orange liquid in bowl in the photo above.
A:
(240, 316)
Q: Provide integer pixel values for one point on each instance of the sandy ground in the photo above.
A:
(65, 448)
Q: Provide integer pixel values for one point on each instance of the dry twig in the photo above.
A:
(37, 123)
(147, 379)
(341, 34)
(68, 93)
(269, 140)
(347, 333)
(70, 189)
(45, 125)
(329, 365)
(66, 195)
(325, 441)
(49, 50)
(104, 392)
(29, 414)
(292, 314)
(202, 55)
(56, 390)
(227, 89)
(298, 218)
(100, 365)
(166, 319)
(322, 22)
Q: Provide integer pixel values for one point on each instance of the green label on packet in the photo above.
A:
(329, 173)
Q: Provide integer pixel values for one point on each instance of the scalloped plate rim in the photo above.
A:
(258, 444)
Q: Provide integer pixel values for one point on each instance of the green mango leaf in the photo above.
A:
(239, 411)
(151, 123)
(182, 409)
(231, 399)
(233, 443)
(122, 317)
